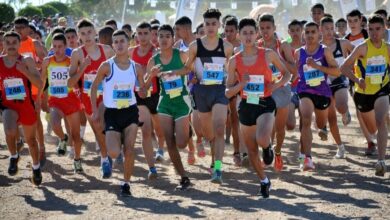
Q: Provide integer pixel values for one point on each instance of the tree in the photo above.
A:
(30, 11)
(7, 13)
(48, 10)
(61, 7)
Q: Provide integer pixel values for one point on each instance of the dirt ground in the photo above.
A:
(344, 188)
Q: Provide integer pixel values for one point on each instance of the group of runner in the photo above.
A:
(179, 85)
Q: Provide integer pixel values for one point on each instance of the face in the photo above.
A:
(230, 32)
(327, 30)
(1, 44)
(180, 31)
(376, 31)
(248, 35)
(341, 27)
(154, 36)
(312, 35)
(317, 14)
(144, 36)
(22, 29)
(71, 39)
(120, 44)
(267, 30)
(201, 32)
(87, 35)
(165, 39)
(295, 32)
(11, 45)
(354, 23)
(211, 26)
(58, 47)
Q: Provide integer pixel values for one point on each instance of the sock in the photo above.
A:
(15, 155)
(266, 180)
(35, 167)
(372, 137)
(340, 145)
(103, 159)
(82, 131)
(217, 165)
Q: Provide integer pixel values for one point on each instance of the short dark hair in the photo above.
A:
(364, 19)
(12, 34)
(212, 13)
(232, 21)
(38, 32)
(328, 15)
(21, 20)
(267, 18)
(60, 37)
(155, 26)
(311, 24)
(70, 30)
(144, 24)
(317, 6)
(294, 23)
(200, 25)
(127, 27)
(32, 27)
(354, 13)
(184, 21)
(111, 22)
(121, 32)
(381, 12)
(224, 18)
(247, 22)
(154, 21)
(166, 27)
(326, 20)
(106, 31)
(84, 23)
(341, 20)
(376, 19)
(57, 30)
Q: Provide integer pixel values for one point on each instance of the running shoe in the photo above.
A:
(308, 164)
(77, 166)
(200, 150)
(184, 184)
(217, 177)
(237, 159)
(323, 134)
(301, 160)
(264, 189)
(106, 169)
(211, 170)
(278, 163)
(371, 149)
(13, 166)
(125, 190)
(346, 118)
(159, 155)
(152, 175)
(380, 168)
(340, 152)
(191, 158)
(61, 147)
(268, 155)
(36, 178)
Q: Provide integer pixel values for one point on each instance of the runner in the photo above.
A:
(257, 107)
(341, 28)
(317, 12)
(17, 73)
(315, 62)
(371, 77)
(118, 75)
(174, 106)
(85, 61)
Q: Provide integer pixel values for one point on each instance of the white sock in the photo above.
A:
(372, 137)
(35, 167)
(15, 155)
(82, 131)
(103, 159)
(340, 145)
(266, 180)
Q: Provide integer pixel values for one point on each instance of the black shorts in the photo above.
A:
(207, 96)
(150, 102)
(320, 102)
(338, 83)
(365, 103)
(248, 113)
(119, 119)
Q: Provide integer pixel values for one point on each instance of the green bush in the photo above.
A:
(61, 7)
(48, 10)
(7, 13)
(30, 11)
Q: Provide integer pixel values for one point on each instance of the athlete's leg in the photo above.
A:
(145, 118)
(219, 115)
(73, 120)
(158, 131)
(291, 119)
(306, 108)
(332, 117)
(56, 116)
(341, 100)
(130, 135)
(10, 126)
(280, 125)
(381, 109)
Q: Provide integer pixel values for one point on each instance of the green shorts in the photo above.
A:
(175, 108)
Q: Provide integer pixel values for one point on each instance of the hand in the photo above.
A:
(362, 83)
(142, 92)
(155, 70)
(272, 86)
(310, 62)
(22, 67)
(194, 80)
(245, 80)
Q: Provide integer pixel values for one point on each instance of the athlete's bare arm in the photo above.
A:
(77, 67)
(190, 61)
(28, 68)
(347, 66)
(274, 58)
(232, 89)
(102, 72)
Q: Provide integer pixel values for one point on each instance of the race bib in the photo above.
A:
(88, 80)
(275, 73)
(313, 77)
(58, 82)
(375, 69)
(213, 74)
(173, 85)
(14, 89)
(122, 95)
(254, 89)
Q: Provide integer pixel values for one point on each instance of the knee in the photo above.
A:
(290, 126)
(263, 140)
(182, 143)
(31, 141)
(220, 129)
(113, 152)
(306, 121)
(129, 152)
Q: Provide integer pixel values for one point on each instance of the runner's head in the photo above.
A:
(128, 29)
(354, 19)
(120, 42)
(1, 41)
(341, 26)
(364, 22)
(111, 23)
(144, 33)
(376, 28)
(59, 44)
(11, 43)
(21, 26)
(105, 35)
(86, 32)
(327, 28)
(165, 36)
(317, 12)
(311, 33)
(248, 31)
(295, 30)
(200, 32)
(183, 27)
(211, 21)
(267, 26)
(154, 31)
(382, 13)
(231, 28)
(71, 37)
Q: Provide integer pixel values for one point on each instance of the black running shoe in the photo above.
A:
(184, 184)
(268, 155)
(36, 178)
(125, 190)
(13, 166)
(264, 189)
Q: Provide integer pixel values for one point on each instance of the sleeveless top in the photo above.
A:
(357, 39)
(118, 87)
(143, 61)
(90, 72)
(58, 75)
(27, 48)
(276, 74)
(373, 68)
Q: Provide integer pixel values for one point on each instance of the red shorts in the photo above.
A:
(26, 111)
(86, 102)
(68, 105)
